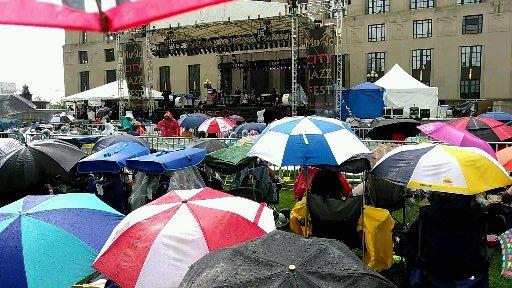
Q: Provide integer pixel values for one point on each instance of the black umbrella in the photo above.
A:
(113, 139)
(211, 145)
(282, 259)
(384, 129)
(32, 163)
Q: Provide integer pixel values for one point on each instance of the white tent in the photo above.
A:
(105, 92)
(403, 90)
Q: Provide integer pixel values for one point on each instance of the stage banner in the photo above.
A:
(133, 69)
(319, 63)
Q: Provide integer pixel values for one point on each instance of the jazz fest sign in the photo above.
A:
(133, 69)
(320, 73)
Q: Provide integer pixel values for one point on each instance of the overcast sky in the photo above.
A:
(33, 56)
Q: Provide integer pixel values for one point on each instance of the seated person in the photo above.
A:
(299, 187)
(447, 243)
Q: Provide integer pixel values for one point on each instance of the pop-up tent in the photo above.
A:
(403, 90)
(106, 92)
(365, 101)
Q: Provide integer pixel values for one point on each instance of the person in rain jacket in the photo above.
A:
(168, 126)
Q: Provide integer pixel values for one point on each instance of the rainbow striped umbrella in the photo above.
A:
(51, 241)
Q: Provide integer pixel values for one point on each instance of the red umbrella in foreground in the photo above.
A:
(94, 15)
(155, 245)
(484, 128)
(216, 125)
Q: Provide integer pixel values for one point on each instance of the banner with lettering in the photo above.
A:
(133, 69)
(319, 63)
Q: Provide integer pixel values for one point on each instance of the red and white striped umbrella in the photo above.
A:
(155, 245)
(216, 125)
(94, 15)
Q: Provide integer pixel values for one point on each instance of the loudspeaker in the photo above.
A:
(424, 113)
(388, 112)
(398, 112)
(414, 112)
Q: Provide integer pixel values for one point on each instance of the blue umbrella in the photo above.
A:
(113, 139)
(192, 121)
(295, 141)
(259, 127)
(165, 161)
(499, 116)
(51, 241)
(111, 159)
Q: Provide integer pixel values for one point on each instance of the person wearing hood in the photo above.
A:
(168, 126)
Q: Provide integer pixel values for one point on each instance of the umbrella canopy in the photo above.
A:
(503, 117)
(216, 125)
(111, 159)
(90, 15)
(236, 118)
(51, 241)
(7, 145)
(309, 140)
(62, 118)
(484, 128)
(393, 129)
(210, 144)
(102, 111)
(504, 156)
(251, 126)
(79, 140)
(192, 121)
(166, 161)
(442, 168)
(113, 139)
(282, 259)
(448, 134)
(36, 161)
(176, 230)
(230, 160)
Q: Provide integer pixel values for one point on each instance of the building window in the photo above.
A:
(194, 74)
(165, 78)
(470, 71)
(84, 81)
(375, 66)
(422, 4)
(421, 65)
(109, 55)
(378, 6)
(83, 37)
(82, 57)
(376, 32)
(110, 76)
(422, 28)
(462, 2)
(472, 24)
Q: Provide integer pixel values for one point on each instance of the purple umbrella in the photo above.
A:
(236, 118)
(448, 134)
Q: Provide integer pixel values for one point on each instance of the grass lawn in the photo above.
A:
(495, 279)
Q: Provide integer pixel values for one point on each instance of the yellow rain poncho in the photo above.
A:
(378, 224)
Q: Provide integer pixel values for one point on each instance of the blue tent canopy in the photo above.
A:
(365, 101)
(165, 161)
(111, 159)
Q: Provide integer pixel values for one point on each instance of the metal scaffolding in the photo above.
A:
(120, 73)
(149, 71)
(295, 58)
(338, 10)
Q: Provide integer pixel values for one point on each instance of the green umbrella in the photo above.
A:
(230, 160)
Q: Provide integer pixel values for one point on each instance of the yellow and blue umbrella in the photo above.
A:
(461, 170)
(51, 241)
